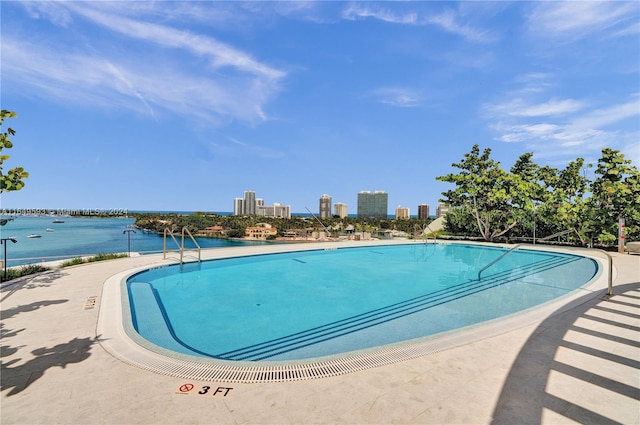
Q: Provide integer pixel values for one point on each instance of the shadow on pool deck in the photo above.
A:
(40, 280)
(581, 365)
(18, 378)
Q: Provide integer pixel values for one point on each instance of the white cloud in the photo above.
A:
(220, 54)
(126, 83)
(449, 20)
(400, 97)
(561, 127)
(233, 86)
(353, 12)
(571, 20)
(609, 115)
(554, 107)
(51, 11)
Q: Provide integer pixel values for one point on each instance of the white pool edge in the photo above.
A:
(117, 337)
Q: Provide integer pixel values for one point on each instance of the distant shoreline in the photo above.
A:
(124, 213)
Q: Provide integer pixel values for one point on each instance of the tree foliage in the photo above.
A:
(487, 191)
(531, 199)
(12, 179)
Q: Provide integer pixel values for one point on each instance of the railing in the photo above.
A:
(184, 229)
(609, 277)
(169, 232)
(423, 232)
(498, 259)
(564, 232)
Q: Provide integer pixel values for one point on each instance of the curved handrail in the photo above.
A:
(610, 277)
(164, 244)
(185, 229)
(498, 259)
(564, 232)
(180, 245)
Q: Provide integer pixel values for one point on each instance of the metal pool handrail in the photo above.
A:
(498, 259)
(180, 245)
(609, 278)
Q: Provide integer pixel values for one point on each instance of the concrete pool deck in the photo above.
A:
(580, 364)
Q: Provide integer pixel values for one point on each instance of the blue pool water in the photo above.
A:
(308, 304)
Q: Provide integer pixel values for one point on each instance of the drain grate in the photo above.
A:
(90, 303)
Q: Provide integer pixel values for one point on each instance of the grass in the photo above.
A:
(16, 272)
(97, 257)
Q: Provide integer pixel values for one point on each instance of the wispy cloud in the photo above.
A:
(449, 20)
(397, 96)
(572, 20)
(220, 54)
(563, 128)
(520, 108)
(146, 77)
(228, 146)
(359, 11)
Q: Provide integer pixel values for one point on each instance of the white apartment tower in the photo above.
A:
(402, 213)
(340, 209)
(442, 210)
(325, 206)
(238, 206)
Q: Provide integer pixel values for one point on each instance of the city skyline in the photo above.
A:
(143, 105)
(241, 206)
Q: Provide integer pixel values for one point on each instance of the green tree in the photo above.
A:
(491, 194)
(12, 180)
(615, 195)
(572, 209)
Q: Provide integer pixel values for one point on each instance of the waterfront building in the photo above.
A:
(340, 209)
(441, 210)
(238, 206)
(423, 211)
(372, 205)
(275, 210)
(212, 231)
(402, 213)
(249, 202)
(260, 232)
(325, 206)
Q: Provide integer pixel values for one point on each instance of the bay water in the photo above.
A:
(82, 236)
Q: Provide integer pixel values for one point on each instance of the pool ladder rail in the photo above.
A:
(180, 245)
(609, 258)
(423, 233)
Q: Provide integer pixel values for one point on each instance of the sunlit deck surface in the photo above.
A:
(578, 362)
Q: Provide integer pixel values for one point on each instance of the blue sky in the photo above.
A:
(185, 105)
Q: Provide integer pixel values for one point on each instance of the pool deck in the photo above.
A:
(579, 364)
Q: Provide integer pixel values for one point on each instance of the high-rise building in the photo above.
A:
(441, 210)
(238, 206)
(402, 213)
(340, 209)
(250, 202)
(325, 206)
(423, 211)
(275, 210)
(372, 205)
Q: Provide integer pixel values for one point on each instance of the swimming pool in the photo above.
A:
(304, 305)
